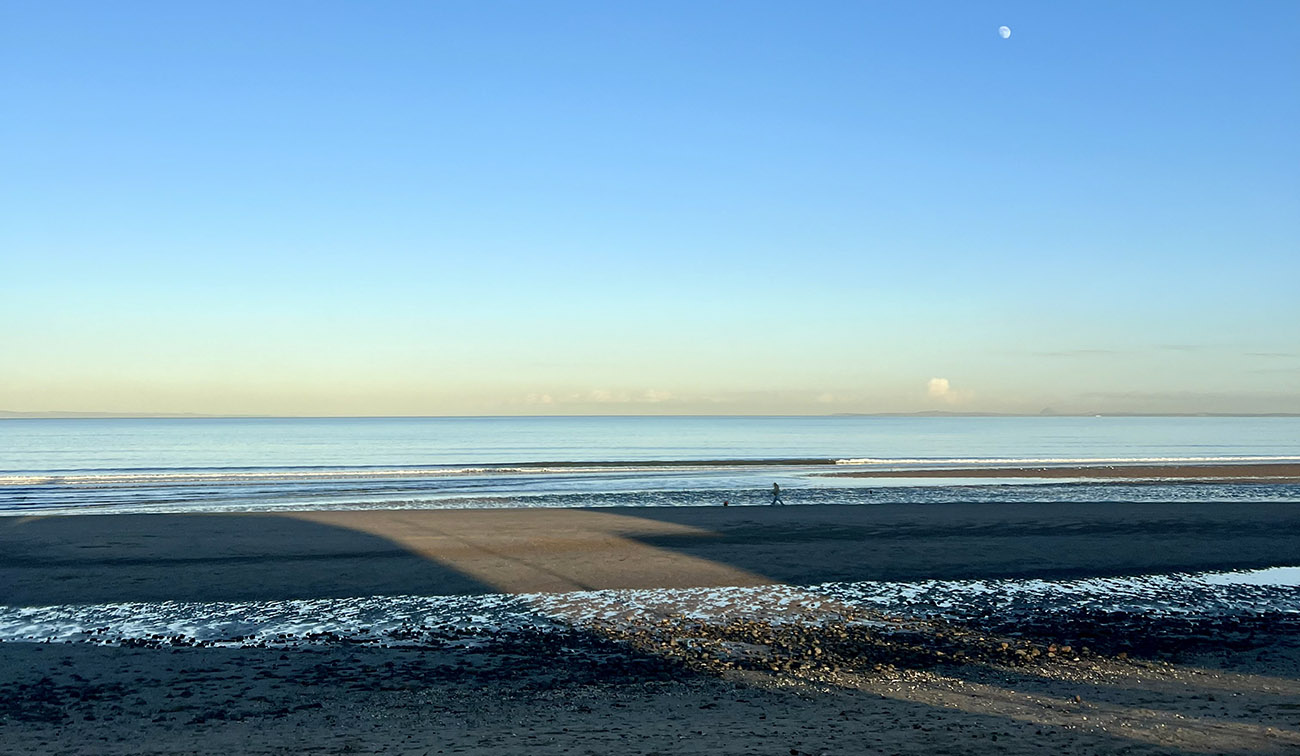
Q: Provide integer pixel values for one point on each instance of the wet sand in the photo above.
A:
(1279, 472)
(211, 557)
(80, 698)
(664, 686)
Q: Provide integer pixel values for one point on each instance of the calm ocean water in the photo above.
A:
(163, 465)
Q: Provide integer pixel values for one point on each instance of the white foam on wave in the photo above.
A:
(1278, 576)
(1022, 461)
(214, 477)
(298, 476)
(414, 619)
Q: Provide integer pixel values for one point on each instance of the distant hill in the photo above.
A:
(89, 415)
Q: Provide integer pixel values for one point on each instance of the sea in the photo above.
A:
(117, 465)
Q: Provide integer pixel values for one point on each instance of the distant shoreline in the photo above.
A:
(1270, 472)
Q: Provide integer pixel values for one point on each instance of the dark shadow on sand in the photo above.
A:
(910, 542)
(93, 559)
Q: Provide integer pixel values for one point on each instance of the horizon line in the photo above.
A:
(76, 415)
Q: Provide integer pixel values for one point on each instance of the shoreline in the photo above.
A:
(1268, 472)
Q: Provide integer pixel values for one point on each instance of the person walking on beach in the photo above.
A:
(776, 494)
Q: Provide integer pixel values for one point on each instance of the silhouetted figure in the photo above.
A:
(776, 494)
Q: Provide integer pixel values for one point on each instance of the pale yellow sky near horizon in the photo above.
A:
(234, 363)
(206, 355)
(341, 398)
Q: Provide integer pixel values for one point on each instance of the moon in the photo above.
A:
(1004, 32)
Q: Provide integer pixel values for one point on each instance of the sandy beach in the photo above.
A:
(663, 686)
(220, 557)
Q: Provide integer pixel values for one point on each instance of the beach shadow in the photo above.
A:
(324, 554)
(967, 541)
(208, 557)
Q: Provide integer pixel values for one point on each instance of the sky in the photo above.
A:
(484, 208)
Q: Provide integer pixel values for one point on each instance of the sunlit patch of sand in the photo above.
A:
(559, 550)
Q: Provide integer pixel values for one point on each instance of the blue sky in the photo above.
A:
(516, 208)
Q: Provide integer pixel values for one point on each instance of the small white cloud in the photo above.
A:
(942, 389)
(655, 395)
(540, 399)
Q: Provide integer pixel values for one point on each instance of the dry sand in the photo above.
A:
(637, 692)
